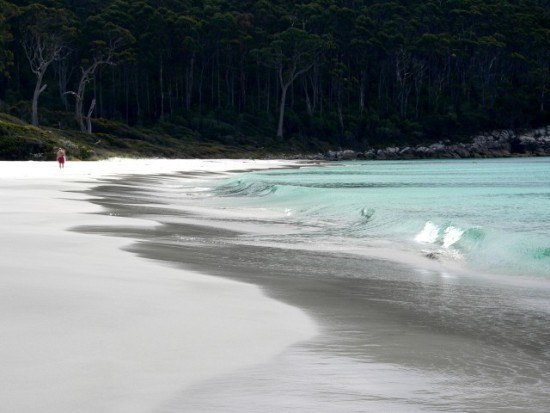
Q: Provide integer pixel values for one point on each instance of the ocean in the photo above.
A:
(488, 215)
(429, 280)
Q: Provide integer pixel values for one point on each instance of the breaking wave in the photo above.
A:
(447, 236)
(480, 212)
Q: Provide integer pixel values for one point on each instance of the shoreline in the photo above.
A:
(90, 327)
(427, 339)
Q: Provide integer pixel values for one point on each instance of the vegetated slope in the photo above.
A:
(354, 74)
(21, 141)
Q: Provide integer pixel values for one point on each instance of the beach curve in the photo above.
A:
(86, 326)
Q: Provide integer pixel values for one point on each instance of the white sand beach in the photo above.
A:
(88, 327)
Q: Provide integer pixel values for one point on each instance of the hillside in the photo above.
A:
(22, 141)
(185, 77)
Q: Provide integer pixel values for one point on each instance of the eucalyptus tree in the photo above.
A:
(187, 46)
(291, 53)
(222, 31)
(340, 25)
(45, 37)
(107, 44)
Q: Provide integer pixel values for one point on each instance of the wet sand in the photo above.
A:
(394, 337)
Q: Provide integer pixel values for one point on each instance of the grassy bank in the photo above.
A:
(22, 141)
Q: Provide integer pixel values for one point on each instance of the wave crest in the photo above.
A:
(447, 236)
(244, 188)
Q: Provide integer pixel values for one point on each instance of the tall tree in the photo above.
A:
(291, 53)
(108, 46)
(45, 34)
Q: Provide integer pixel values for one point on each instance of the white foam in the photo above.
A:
(429, 233)
(451, 236)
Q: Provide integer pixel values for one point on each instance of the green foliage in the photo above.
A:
(24, 142)
(290, 51)
(6, 55)
(20, 141)
(45, 32)
(106, 41)
(121, 130)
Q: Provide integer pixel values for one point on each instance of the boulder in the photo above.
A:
(347, 155)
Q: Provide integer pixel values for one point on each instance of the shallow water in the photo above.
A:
(492, 214)
(394, 338)
(400, 337)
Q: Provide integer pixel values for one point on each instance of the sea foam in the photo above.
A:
(451, 236)
(429, 233)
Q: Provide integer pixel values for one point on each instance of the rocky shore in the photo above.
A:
(496, 144)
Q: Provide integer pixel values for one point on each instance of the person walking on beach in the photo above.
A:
(61, 158)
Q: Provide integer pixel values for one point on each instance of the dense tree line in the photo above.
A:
(350, 72)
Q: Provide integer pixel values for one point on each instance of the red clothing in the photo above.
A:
(61, 159)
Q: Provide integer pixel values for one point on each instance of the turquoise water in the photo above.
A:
(393, 336)
(489, 215)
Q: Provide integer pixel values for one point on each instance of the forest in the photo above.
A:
(296, 75)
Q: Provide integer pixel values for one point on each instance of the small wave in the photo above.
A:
(451, 236)
(447, 236)
(542, 253)
(243, 188)
(367, 213)
(429, 234)
(471, 239)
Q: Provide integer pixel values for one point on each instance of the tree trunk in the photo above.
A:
(79, 102)
(63, 81)
(309, 107)
(218, 78)
(200, 87)
(315, 87)
(242, 81)
(147, 94)
(78, 114)
(362, 90)
(136, 93)
(101, 107)
(259, 88)
(113, 94)
(212, 84)
(170, 107)
(79, 95)
(89, 117)
(268, 92)
(38, 89)
(189, 83)
(282, 110)
(161, 91)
